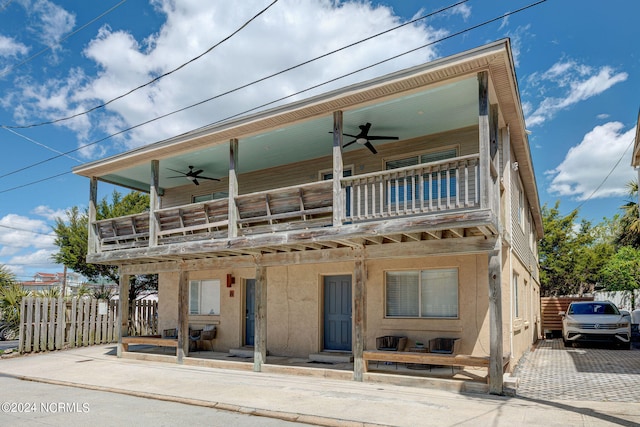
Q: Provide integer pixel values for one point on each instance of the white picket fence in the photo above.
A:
(56, 323)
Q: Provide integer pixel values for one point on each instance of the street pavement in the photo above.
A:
(317, 401)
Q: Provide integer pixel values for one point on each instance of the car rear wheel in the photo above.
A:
(567, 343)
(625, 346)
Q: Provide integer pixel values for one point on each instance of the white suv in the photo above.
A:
(595, 321)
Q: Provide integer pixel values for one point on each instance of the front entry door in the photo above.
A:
(250, 312)
(337, 313)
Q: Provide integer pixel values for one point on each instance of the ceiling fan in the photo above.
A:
(363, 138)
(192, 175)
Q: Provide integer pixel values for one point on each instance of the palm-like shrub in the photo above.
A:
(10, 298)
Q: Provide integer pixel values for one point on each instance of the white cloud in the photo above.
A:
(587, 164)
(575, 82)
(463, 10)
(516, 38)
(603, 116)
(278, 39)
(48, 213)
(11, 48)
(52, 22)
(18, 232)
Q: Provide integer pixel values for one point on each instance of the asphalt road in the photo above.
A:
(5, 345)
(27, 403)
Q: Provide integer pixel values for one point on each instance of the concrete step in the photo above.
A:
(331, 357)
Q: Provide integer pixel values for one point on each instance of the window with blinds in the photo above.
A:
(204, 297)
(438, 179)
(426, 293)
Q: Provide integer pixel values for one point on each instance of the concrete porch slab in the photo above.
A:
(244, 352)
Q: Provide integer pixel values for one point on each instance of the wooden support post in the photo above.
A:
(338, 170)
(260, 334)
(93, 245)
(154, 203)
(183, 316)
(233, 188)
(359, 315)
(484, 138)
(123, 310)
(495, 320)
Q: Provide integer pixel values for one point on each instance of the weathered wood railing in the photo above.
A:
(447, 185)
(428, 187)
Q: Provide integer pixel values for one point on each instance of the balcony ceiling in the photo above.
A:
(433, 110)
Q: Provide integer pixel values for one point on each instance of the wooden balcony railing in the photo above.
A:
(425, 188)
(442, 186)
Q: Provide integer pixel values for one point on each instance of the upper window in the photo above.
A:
(204, 297)
(211, 196)
(426, 293)
(443, 183)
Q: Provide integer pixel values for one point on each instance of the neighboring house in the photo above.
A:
(309, 230)
(48, 281)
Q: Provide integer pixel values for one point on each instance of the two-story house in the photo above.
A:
(404, 205)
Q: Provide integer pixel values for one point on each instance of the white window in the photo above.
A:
(426, 293)
(516, 297)
(441, 186)
(204, 297)
(211, 196)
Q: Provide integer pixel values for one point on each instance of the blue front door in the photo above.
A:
(337, 313)
(250, 312)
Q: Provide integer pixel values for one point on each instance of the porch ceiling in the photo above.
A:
(435, 110)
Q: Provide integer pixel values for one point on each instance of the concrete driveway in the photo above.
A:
(552, 372)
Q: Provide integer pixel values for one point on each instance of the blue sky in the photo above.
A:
(577, 64)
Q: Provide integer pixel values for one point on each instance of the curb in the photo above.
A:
(260, 412)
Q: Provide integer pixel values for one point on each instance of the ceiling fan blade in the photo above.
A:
(378, 137)
(370, 147)
(348, 144)
(195, 173)
(195, 181)
(183, 174)
(179, 176)
(365, 129)
(206, 177)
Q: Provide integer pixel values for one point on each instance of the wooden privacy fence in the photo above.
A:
(551, 306)
(56, 323)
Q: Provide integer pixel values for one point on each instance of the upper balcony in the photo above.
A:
(302, 177)
(423, 202)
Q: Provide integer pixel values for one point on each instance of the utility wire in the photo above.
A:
(41, 145)
(145, 84)
(28, 231)
(633, 140)
(261, 106)
(245, 86)
(35, 55)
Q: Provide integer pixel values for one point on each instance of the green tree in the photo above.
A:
(628, 233)
(72, 239)
(622, 272)
(572, 252)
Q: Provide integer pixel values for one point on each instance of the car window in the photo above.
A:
(592, 309)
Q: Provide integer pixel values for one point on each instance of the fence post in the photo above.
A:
(60, 326)
(37, 308)
(23, 314)
(51, 333)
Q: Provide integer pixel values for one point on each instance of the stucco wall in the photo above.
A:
(294, 305)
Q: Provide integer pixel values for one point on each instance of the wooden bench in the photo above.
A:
(156, 340)
(429, 359)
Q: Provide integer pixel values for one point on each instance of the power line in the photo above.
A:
(40, 144)
(243, 87)
(28, 231)
(97, 107)
(606, 177)
(269, 103)
(35, 55)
